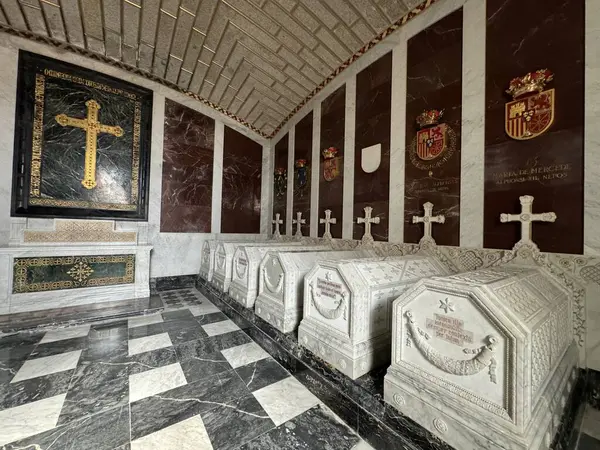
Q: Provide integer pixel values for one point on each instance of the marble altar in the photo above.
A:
(484, 359)
(246, 260)
(347, 308)
(281, 284)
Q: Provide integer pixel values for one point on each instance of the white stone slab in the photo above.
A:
(223, 264)
(347, 308)
(281, 284)
(207, 262)
(246, 260)
(484, 359)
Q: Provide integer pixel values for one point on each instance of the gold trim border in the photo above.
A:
(21, 265)
(150, 76)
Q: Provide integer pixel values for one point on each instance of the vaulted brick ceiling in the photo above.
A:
(256, 60)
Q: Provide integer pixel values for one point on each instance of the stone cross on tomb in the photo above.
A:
(277, 221)
(328, 221)
(299, 221)
(92, 128)
(368, 220)
(527, 218)
(427, 220)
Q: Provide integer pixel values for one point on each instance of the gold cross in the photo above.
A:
(92, 127)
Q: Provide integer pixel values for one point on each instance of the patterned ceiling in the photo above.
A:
(257, 61)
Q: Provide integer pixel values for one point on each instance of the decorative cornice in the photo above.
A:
(137, 71)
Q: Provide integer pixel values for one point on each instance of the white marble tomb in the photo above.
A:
(347, 308)
(209, 248)
(246, 260)
(223, 262)
(281, 284)
(484, 359)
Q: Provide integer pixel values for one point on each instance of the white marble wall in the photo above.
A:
(173, 253)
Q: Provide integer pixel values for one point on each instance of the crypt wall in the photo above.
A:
(200, 185)
(452, 56)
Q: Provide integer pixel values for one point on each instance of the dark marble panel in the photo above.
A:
(205, 319)
(146, 330)
(58, 347)
(242, 170)
(188, 157)
(373, 126)
(210, 345)
(434, 81)
(170, 283)
(155, 413)
(302, 178)
(183, 314)
(527, 36)
(241, 420)
(151, 360)
(186, 334)
(313, 429)
(331, 193)
(27, 391)
(107, 431)
(201, 366)
(261, 373)
(280, 188)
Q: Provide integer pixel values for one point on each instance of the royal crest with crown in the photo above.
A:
(330, 164)
(531, 112)
(434, 143)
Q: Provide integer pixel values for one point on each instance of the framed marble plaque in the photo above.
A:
(82, 143)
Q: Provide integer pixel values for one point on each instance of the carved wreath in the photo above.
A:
(220, 261)
(240, 272)
(484, 356)
(329, 313)
(274, 288)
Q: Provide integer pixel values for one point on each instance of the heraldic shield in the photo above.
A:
(330, 169)
(528, 117)
(431, 142)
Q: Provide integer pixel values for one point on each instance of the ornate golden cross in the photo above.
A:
(92, 127)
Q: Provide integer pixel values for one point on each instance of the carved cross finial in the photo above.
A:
(527, 217)
(427, 220)
(368, 220)
(277, 221)
(299, 221)
(328, 221)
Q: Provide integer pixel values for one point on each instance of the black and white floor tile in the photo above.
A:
(186, 378)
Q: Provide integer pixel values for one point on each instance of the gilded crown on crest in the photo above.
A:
(429, 117)
(532, 82)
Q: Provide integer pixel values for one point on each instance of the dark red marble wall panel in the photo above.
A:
(303, 151)
(373, 115)
(242, 169)
(434, 81)
(331, 193)
(187, 176)
(523, 36)
(280, 195)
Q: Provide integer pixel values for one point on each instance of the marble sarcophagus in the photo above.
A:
(209, 248)
(281, 284)
(484, 359)
(347, 308)
(223, 262)
(246, 260)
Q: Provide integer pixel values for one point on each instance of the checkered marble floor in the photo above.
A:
(186, 378)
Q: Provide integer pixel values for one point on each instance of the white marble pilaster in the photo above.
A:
(349, 134)
(266, 189)
(217, 185)
(8, 100)
(473, 124)
(315, 168)
(398, 142)
(591, 233)
(290, 181)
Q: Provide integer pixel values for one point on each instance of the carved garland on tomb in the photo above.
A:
(241, 266)
(274, 288)
(329, 313)
(220, 260)
(484, 356)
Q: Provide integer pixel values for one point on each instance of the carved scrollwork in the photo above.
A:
(274, 288)
(328, 313)
(484, 356)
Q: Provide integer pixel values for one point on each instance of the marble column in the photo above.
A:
(217, 185)
(315, 172)
(290, 181)
(591, 233)
(473, 126)
(350, 121)
(266, 189)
